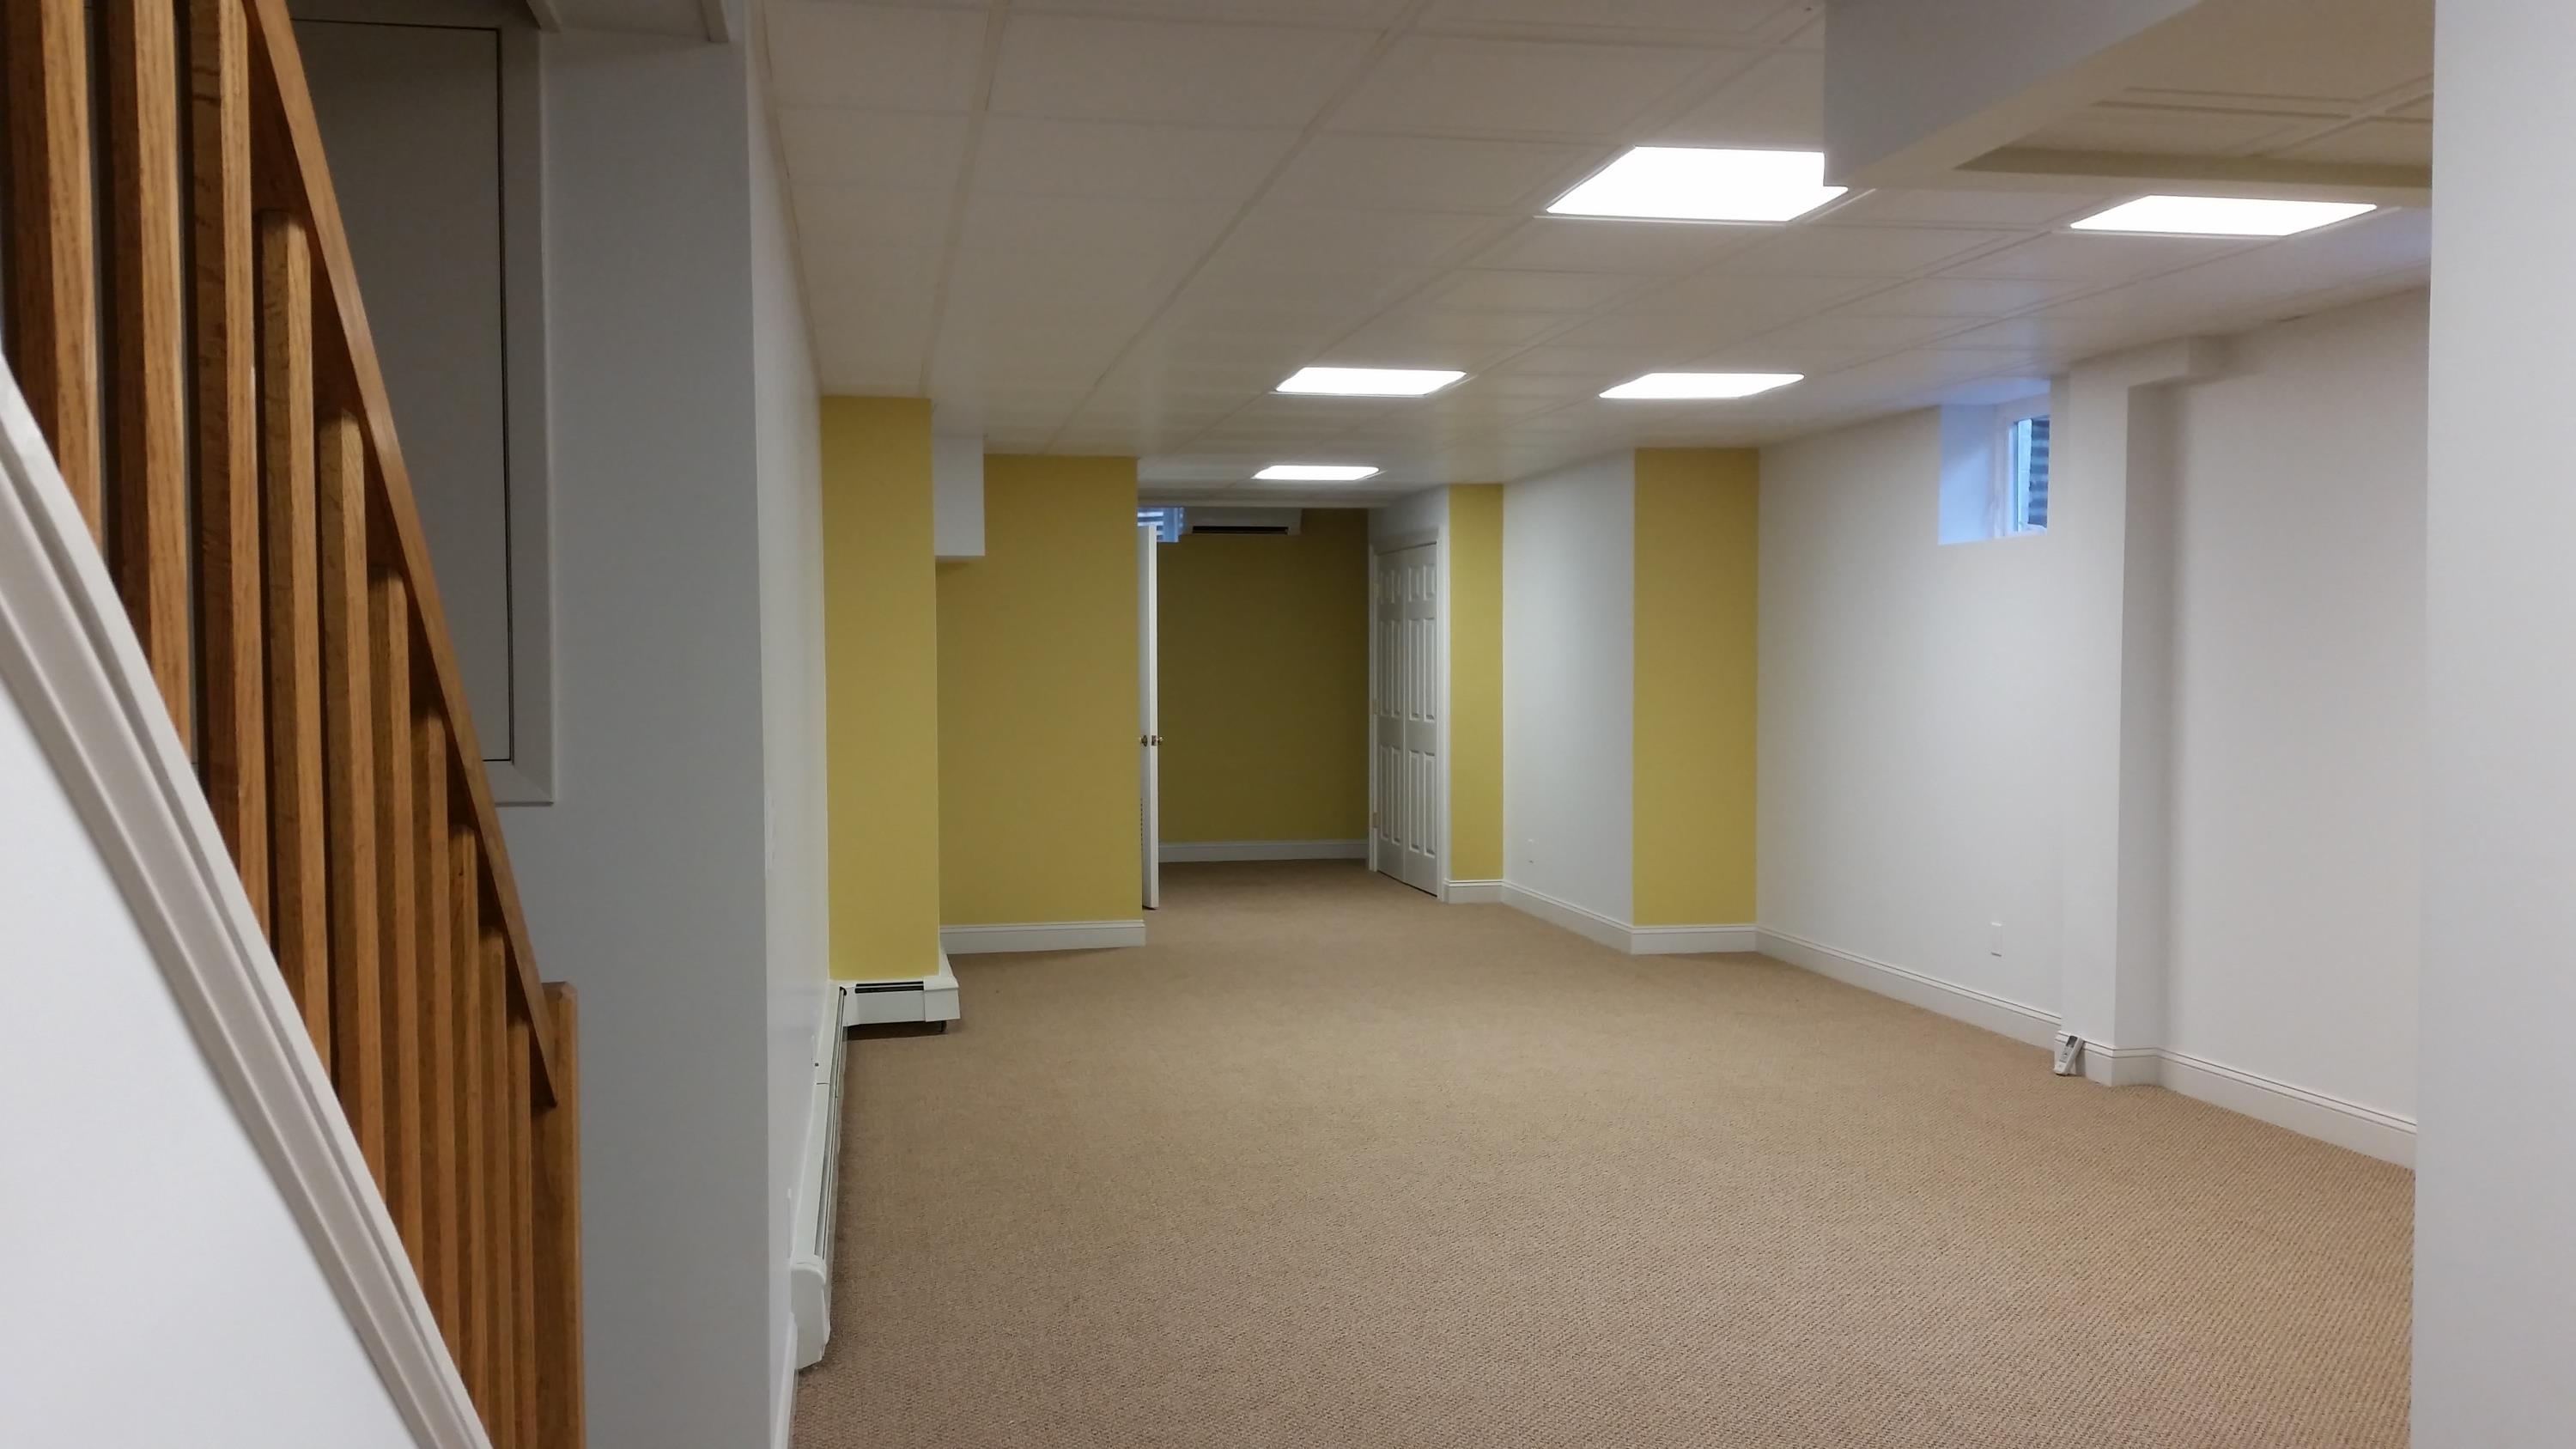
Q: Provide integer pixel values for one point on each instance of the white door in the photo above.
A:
(1149, 741)
(1405, 723)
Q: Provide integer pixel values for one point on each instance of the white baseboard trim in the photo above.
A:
(1997, 1014)
(919, 998)
(1472, 892)
(1042, 936)
(2365, 1130)
(1181, 852)
(1591, 925)
(1616, 934)
(782, 1401)
(809, 1257)
(1690, 940)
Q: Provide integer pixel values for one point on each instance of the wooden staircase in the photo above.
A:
(185, 323)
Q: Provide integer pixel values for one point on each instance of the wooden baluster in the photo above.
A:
(349, 709)
(53, 287)
(523, 1226)
(234, 748)
(465, 987)
(498, 1009)
(299, 923)
(149, 350)
(428, 1007)
(401, 909)
(558, 1230)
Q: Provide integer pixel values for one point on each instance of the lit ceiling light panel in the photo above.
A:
(1316, 472)
(1674, 385)
(1370, 381)
(2220, 216)
(1693, 183)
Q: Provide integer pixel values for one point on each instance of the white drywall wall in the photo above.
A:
(2298, 720)
(1907, 781)
(1569, 671)
(643, 882)
(788, 446)
(2495, 1186)
(155, 1286)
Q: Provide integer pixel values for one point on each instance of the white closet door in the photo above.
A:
(1149, 719)
(1405, 724)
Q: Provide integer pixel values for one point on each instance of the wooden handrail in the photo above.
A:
(298, 638)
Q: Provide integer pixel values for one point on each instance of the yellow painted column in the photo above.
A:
(881, 658)
(1037, 774)
(1697, 549)
(1476, 682)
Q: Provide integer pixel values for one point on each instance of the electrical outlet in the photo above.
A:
(1529, 851)
(2069, 1048)
(1994, 938)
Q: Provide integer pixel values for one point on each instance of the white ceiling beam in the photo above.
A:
(1914, 90)
(2096, 172)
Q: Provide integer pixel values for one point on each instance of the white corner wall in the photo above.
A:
(2298, 710)
(1569, 673)
(2495, 1188)
(644, 881)
(788, 451)
(1908, 774)
(157, 1287)
(1926, 709)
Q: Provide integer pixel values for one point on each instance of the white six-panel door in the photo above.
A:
(1404, 725)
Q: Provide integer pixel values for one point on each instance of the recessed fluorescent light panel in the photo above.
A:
(1693, 183)
(1370, 381)
(2220, 216)
(1316, 472)
(1702, 384)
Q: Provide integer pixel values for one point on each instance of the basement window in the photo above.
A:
(1166, 523)
(2021, 468)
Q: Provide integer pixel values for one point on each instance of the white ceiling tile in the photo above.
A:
(1452, 85)
(881, 57)
(893, 150)
(2057, 334)
(1167, 232)
(1756, 300)
(1708, 19)
(1643, 247)
(1778, 102)
(867, 219)
(1335, 12)
(1696, 331)
(2167, 130)
(1965, 208)
(2077, 257)
(1860, 251)
(1609, 364)
(1041, 156)
(2376, 142)
(1430, 173)
(1859, 334)
(2280, 48)
(994, 283)
(1517, 291)
(1345, 240)
(1125, 70)
(1439, 328)
(1959, 297)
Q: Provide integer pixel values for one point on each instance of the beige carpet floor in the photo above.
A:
(1331, 1164)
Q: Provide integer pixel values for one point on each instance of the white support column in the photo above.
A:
(2111, 506)
(2495, 1218)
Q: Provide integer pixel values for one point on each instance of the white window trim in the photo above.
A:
(2003, 516)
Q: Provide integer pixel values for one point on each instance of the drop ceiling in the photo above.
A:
(1112, 226)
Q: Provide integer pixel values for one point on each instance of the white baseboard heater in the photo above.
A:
(930, 998)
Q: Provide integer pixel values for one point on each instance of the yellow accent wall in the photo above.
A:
(1037, 700)
(1476, 681)
(1264, 647)
(881, 662)
(1697, 547)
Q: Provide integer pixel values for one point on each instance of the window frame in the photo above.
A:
(2007, 509)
